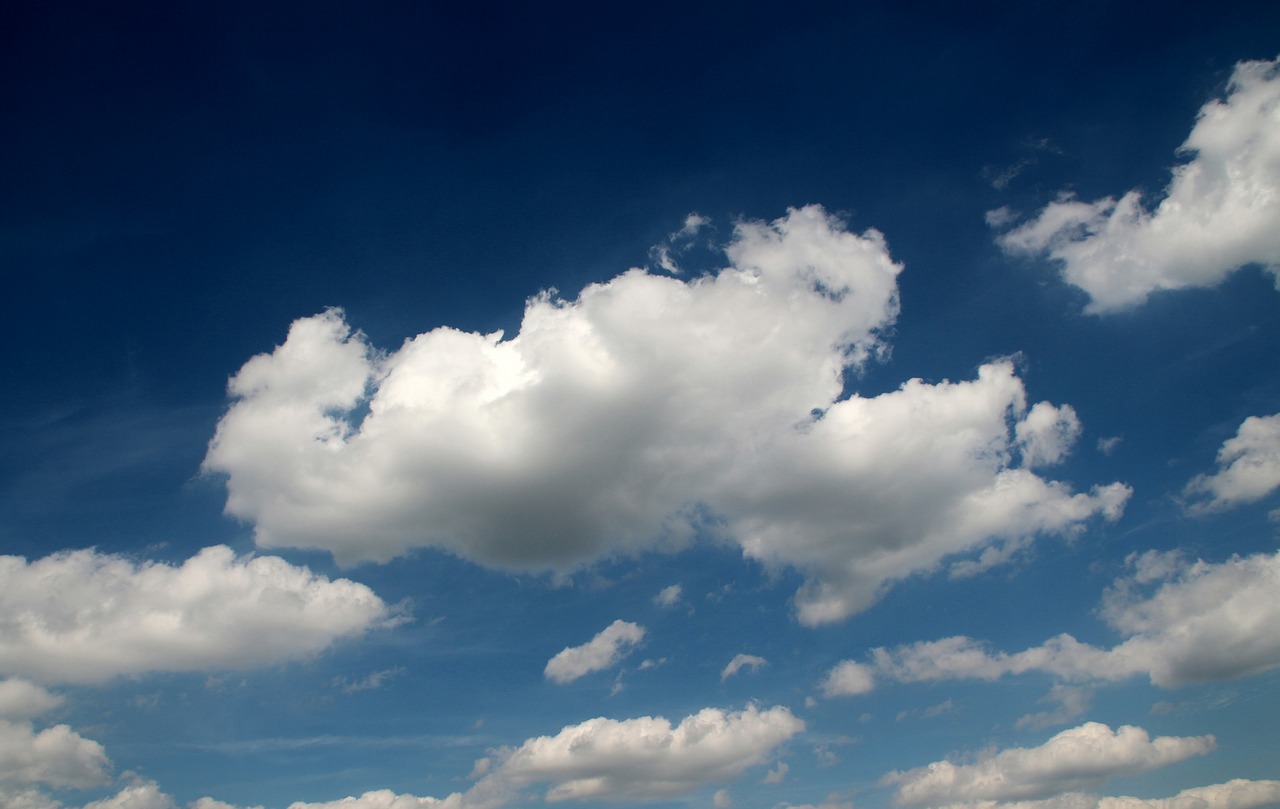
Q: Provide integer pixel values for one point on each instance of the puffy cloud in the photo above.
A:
(1081, 757)
(55, 756)
(1248, 467)
(849, 678)
(739, 661)
(645, 758)
(1218, 212)
(600, 653)
(669, 596)
(139, 795)
(1202, 622)
(84, 617)
(648, 408)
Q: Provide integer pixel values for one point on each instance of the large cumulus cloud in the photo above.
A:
(642, 410)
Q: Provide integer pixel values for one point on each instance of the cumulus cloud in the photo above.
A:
(645, 758)
(139, 795)
(739, 661)
(84, 617)
(600, 653)
(1218, 212)
(386, 799)
(1183, 622)
(1080, 758)
(848, 678)
(56, 757)
(645, 410)
(1248, 468)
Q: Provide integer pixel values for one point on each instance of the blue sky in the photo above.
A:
(729, 406)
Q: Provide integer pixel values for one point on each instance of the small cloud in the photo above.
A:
(601, 652)
(669, 596)
(776, 775)
(1108, 444)
(721, 799)
(1001, 217)
(849, 678)
(372, 682)
(739, 661)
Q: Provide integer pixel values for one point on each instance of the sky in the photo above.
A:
(682, 405)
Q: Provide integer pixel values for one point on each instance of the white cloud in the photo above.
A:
(56, 756)
(848, 678)
(739, 661)
(1218, 214)
(646, 758)
(721, 799)
(84, 617)
(644, 410)
(1248, 467)
(600, 653)
(1236, 794)
(1203, 622)
(139, 795)
(777, 775)
(669, 596)
(1081, 757)
(1047, 433)
(20, 699)
(386, 799)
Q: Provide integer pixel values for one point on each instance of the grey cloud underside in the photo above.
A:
(644, 411)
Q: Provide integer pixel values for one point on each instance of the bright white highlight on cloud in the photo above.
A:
(622, 420)
(139, 795)
(1203, 622)
(1218, 214)
(739, 662)
(1080, 758)
(600, 653)
(1248, 468)
(84, 617)
(646, 758)
(386, 799)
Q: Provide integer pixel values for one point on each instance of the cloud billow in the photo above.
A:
(1218, 213)
(644, 411)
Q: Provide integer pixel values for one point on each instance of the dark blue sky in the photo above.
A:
(183, 181)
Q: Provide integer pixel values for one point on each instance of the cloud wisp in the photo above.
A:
(1217, 215)
(598, 654)
(1248, 468)
(645, 411)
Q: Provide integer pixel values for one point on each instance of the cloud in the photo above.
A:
(1202, 622)
(1081, 757)
(669, 596)
(1236, 794)
(1248, 468)
(848, 678)
(600, 653)
(646, 758)
(139, 795)
(1218, 212)
(739, 661)
(20, 699)
(386, 799)
(56, 756)
(84, 617)
(1072, 701)
(644, 411)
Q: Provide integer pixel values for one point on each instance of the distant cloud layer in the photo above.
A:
(85, 617)
(1218, 213)
(648, 408)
